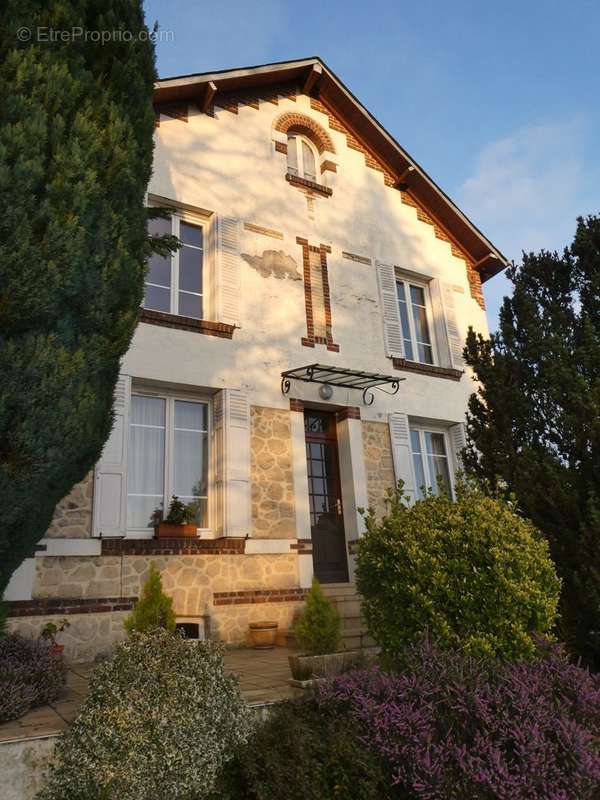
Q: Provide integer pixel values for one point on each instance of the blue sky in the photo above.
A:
(499, 102)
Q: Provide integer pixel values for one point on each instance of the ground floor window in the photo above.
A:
(430, 460)
(168, 455)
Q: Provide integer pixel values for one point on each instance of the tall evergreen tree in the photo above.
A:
(76, 127)
(534, 424)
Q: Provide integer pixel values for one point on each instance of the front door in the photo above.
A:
(327, 522)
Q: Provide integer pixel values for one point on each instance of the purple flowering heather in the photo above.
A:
(454, 728)
(30, 675)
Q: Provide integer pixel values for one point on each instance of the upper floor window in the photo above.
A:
(302, 157)
(430, 461)
(167, 455)
(175, 284)
(415, 318)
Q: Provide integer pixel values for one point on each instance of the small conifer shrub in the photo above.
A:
(319, 627)
(154, 609)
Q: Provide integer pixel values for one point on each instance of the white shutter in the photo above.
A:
(231, 425)
(228, 271)
(392, 330)
(110, 484)
(459, 442)
(439, 323)
(402, 455)
(455, 340)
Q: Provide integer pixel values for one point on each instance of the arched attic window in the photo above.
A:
(302, 157)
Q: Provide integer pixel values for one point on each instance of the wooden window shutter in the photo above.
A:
(231, 441)
(392, 331)
(110, 483)
(227, 276)
(456, 343)
(459, 442)
(439, 324)
(401, 452)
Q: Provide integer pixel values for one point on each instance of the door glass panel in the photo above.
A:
(403, 309)
(190, 446)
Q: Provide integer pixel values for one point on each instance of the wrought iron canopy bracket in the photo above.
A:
(342, 377)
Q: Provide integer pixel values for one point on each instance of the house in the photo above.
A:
(297, 356)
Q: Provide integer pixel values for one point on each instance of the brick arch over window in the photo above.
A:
(292, 122)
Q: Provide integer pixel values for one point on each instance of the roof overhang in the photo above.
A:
(311, 73)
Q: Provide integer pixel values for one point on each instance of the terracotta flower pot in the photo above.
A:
(263, 635)
(167, 531)
(57, 649)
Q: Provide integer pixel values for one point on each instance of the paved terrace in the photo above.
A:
(264, 678)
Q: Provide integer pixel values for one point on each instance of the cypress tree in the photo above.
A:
(76, 141)
(534, 424)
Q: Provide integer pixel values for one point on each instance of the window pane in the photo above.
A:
(435, 444)
(192, 416)
(190, 456)
(438, 468)
(417, 295)
(415, 441)
(159, 271)
(402, 307)
(190, 269)
(292, 155)
(190, 305)
(190, 234)
(425, 353)
(419, 474)
(146, 459)
(157, 298)
(308, 159)
(160, 227)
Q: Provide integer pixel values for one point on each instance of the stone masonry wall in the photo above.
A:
(273, 515)
(73, 515)
(190, 580)
(379, 463)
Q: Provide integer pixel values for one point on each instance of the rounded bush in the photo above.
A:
(469, 572)
(450, 726)
(303, 752)
(30, 675)
(160, 720)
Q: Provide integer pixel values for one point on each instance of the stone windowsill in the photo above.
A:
(220, 329)
(295, 180)
(427, 369)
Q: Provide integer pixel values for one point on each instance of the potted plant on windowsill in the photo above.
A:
(49, 632)
(179, 522)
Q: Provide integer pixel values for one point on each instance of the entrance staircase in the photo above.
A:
(347, 601)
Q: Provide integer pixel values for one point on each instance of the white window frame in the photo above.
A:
(409, 281)
(170, 398)
(300, 171)
(177, 217)
(421, 429)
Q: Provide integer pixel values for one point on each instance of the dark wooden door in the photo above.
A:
(327, 522)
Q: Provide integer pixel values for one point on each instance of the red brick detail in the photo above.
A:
(427, 369)
(314, 187)
(302, 546)
(221, 329)
(474, 278)
(46, 606)
(310, 339)
(328, 166)
(231, 101)
(294, 122)
(173, 547)
(371, 159)
(252, 597)
(350, 412)
(296, 405)
(281, 147)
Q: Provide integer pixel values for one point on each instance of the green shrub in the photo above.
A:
(318, 630)
(305, 753)
(154, 609)
(471, 573)
(160, 720)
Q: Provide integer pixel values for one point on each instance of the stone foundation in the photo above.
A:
(73, 515)
(271, 475)
(379, 464)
